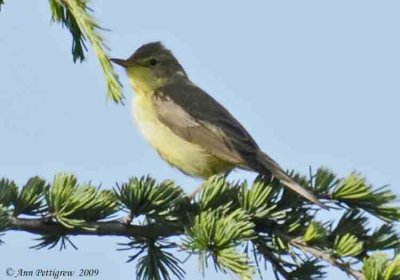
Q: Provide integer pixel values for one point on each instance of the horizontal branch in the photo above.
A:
(153, 231)
(233, 211)
(318, 253)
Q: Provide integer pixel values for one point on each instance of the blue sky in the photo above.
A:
(315, 82)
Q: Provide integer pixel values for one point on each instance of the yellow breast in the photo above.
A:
(188, 157)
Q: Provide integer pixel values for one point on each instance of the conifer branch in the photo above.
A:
(151, 231)
(320, 254)
(75, 15)
(217, 223)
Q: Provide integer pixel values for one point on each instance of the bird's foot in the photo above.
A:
(127, 220)
(195, 192)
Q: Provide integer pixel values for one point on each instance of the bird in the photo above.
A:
(187, 127)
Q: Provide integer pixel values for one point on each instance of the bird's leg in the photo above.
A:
(127, 220)
(201, 187)
(196, 191)
(48, 218)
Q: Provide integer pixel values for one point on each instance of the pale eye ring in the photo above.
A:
(153, 61)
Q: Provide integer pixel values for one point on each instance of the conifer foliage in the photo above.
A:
(236, 227)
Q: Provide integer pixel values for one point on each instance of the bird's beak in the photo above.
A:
(121, 62)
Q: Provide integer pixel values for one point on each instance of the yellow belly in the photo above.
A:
(188, 157)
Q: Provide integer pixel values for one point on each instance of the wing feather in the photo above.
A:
(204, 122)
(195, 116)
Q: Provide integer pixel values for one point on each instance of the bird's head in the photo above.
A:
(150, 67)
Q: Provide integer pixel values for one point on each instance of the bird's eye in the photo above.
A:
(153, 61)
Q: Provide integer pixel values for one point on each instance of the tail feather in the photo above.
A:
(269, 166)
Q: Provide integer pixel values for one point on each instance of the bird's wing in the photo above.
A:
(198, 118)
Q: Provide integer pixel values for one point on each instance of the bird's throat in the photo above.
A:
(143, 80)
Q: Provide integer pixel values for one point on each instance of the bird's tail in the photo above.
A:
(269, 166)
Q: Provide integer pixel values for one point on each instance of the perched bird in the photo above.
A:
(189, 128)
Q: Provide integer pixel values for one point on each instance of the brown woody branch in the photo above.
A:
(153, 231)
(320, 254)
(161, 229)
